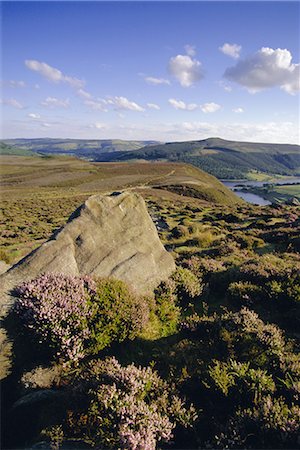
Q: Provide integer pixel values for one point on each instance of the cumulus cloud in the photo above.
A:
(238, 110)
(232, 50)
(179, 104)
(52, 74)
(153, 106)
(124, 104)
(12, 102)
(210, 107)
(53, 102)
(34, 116)
(265, 69)
(185, 69)
(156, 81)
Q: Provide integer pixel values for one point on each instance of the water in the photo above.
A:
(253, 198)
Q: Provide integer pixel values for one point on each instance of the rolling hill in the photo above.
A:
(83, 148)
(221, 158)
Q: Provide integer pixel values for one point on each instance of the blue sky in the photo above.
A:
(151, 70)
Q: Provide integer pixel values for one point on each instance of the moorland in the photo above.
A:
(222, 158)
(213, 363)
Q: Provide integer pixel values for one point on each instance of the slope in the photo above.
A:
(221, 158)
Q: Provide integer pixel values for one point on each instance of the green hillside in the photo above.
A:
(6, 149)
(86, 148)
(221, 158)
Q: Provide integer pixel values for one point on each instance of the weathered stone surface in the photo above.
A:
(108, 236)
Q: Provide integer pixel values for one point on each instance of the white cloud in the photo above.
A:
(99, 125)
(12, 102)
(275, 132)
(52, 74)
(153, 106)
(179, 104)
(124, 103)
(232, 50)
(53, 102)
(190, 50)
(156, 81)
(185, 69)
(210, 107)
(34, 116)
(265, 69)
(238, 110)
(96, 105)
(84, 94)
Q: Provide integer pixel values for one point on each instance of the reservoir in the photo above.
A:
(237, 185)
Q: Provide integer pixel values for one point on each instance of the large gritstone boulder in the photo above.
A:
(108, 236)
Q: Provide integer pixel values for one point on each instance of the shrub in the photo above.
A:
(247, 381)
(76, 316)
(187, 285)
(273, 414)
(244, 292)
(129, 407)
(118, 314)
(204, 267)
(57, 309)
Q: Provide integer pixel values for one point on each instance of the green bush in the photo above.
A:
(118, 314)
(77, 316)
(187, 285)
(244, 292)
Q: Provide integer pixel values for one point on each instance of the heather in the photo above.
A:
(125, 407)
(77, 316)
(211, 360)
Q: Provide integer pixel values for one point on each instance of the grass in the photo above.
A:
(40, 193)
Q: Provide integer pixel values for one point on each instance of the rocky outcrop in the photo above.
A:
(108, 236)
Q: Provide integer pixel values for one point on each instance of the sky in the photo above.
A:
(167, 71)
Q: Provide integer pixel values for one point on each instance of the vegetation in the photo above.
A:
(40, 193)
(6, 149)
(77, 316)
(221, 158)
(84, 148)
(211, 360)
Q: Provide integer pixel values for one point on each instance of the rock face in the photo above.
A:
(108, 236)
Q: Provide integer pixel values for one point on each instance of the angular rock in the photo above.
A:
(108, 236)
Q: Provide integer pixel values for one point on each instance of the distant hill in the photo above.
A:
(58, 172)
(6, 149)
(83, 148)
(221, 158)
